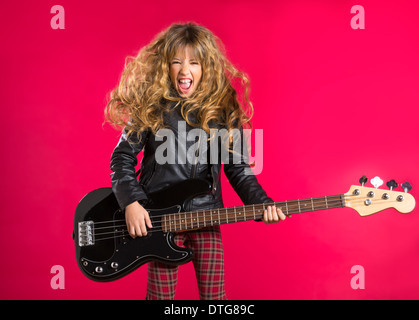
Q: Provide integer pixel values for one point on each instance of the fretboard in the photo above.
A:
(184, 221)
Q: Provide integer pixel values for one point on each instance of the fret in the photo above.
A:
(164, 224)
(182, 221)
(168, 223)
(286, 206)
(235, 214)
(177, 220)
(313, 204)
(186, 222)
(172, 223)
(317, 206)
(204, 218)
(254, 213)
(226, 213)
(196, 219)
(259, 212)
(325, 199)
(219, 216)
(169, 217)
(192, 221)
(299, 208)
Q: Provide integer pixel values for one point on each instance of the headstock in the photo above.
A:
(367, 201)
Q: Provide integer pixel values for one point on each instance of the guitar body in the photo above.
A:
(104, 249)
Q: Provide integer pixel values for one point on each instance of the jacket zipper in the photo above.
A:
(196, 158)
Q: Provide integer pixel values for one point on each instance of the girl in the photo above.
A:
(182, 81)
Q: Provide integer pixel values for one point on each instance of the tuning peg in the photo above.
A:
(406, 186)
(363, 180)
(376, 182)
(392, 184)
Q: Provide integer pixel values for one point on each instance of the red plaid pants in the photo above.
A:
(208, 262)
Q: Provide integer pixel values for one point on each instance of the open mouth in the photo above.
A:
(184, 85)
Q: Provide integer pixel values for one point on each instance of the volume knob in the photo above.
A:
(99, 269)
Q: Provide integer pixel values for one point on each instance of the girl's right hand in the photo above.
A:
(137, 218)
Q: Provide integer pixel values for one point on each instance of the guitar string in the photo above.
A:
(226, 211)
(224, 219)
(156, 229)
(289, 204)
(159, 229)
(125, 233)
(190, 216)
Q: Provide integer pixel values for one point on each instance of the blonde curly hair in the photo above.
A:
(141, 98)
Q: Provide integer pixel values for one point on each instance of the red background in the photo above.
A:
(334, 104)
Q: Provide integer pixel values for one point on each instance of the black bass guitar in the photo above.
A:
(106, 252)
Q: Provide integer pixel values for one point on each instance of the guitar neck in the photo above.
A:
(185, 221)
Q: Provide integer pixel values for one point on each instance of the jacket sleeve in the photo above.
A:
(240, 176)
(123, 161)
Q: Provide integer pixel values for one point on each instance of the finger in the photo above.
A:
(148, 220)
(131, 231)
(269, 215)
(143, 228)
(138, 231)
(275, 214)
(281, 215)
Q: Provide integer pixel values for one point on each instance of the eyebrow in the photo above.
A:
(196, 59)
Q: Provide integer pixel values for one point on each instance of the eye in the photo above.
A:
(175, 62)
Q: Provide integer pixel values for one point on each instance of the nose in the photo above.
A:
(184, 70)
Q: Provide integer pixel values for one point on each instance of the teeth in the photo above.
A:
(185, 81)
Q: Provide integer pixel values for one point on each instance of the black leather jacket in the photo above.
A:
(156, 176)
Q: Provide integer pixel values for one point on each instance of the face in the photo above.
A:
(185, 72)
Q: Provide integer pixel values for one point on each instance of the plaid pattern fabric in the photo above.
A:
(208, 262)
